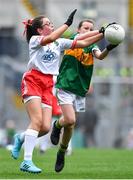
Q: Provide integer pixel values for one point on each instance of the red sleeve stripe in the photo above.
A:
(74, 44)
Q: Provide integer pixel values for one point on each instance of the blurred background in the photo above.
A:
(108, 121)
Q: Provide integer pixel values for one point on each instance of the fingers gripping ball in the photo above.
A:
(114, 34)
(102, 29)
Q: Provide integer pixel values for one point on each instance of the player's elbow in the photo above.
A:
(52, 38)
(47, 40)
(100, 58)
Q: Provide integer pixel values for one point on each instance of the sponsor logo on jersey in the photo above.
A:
(49, 56)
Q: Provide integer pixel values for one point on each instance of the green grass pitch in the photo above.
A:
(82, 164)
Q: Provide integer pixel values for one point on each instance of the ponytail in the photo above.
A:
(31, 26)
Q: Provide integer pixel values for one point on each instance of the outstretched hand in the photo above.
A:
(111, 46)
(70, 18)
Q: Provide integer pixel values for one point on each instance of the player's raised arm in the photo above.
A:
(88, 41)
(58, 32)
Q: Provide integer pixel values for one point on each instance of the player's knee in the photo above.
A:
(71, 121)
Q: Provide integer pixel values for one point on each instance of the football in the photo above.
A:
(114, 34)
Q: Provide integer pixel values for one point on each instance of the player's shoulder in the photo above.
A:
(35, 39)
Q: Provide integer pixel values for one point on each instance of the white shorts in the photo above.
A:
(66, 97)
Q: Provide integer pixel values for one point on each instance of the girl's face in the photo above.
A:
(86, 26)
(47, 27)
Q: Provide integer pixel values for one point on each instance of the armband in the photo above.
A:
(74, 44)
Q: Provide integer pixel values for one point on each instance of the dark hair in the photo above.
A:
(85, 20)
(33, 26)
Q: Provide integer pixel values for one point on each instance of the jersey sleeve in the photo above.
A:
(94, 47)
(65, 43)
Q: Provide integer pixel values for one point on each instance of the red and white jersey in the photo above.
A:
(46, 59)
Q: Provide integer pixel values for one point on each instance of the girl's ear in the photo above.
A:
(39, 30)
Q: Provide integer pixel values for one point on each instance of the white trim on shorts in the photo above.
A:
(66, 97)
(36, 97)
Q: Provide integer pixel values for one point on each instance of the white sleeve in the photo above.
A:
(65, 43)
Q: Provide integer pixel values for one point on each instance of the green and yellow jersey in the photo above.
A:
(76, 70)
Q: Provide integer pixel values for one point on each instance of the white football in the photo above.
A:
(114, 34)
